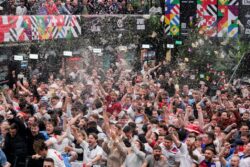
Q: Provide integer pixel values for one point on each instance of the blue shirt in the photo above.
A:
(3, 159)
(228, 164)
(63, 10)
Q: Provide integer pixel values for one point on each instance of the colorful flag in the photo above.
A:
(27, 28)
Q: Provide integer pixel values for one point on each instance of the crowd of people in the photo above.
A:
(78, 7)
(156, 117)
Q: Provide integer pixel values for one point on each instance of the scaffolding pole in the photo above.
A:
(237, 66)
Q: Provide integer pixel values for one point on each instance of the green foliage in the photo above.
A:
(239, 47)
(222, 53)
(154, 23)
(199, 49)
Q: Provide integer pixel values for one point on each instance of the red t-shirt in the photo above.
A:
(113, 106)
(164, 103)
(51, 9)
(154, 143)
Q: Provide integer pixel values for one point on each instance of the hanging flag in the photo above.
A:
(207, 16)
(172, 17)
(228, 13)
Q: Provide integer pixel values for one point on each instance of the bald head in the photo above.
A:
(235, 161)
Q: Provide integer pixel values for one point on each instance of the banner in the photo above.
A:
(28, 28)
(207, 16)
(172, 17)
(228, 18)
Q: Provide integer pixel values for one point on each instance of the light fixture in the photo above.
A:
(145, 46)
(18, 57)
(67, 53)
(97, 50)
(33, 56)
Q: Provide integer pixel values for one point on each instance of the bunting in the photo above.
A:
(27, 28)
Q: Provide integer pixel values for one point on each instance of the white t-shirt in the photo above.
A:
(56, 156)
(90, 154)
(185, 158)
(148, 148)
(172, 155)
(58, 105)
(96, 111)
(38, 115)
(245, 162)
(21, 10)
(59, 146)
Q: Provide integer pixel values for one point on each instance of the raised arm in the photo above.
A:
(116, 142)
(229, 135)
(139, 153)
(205, 127)
(148, 134)
(106, 125)
(4, 99)
(176, 140)
(156, 102)
(154, 68)
(73, 120)
(65, 104)
(187, 113)
(181, 120)
(123, 98)
(102, 90)
(105, 147)
(23, 88)
(221, 157)
(200, 116)
(145, 164)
